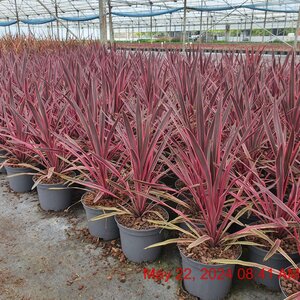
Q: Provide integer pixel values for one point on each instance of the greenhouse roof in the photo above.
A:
(134, 13)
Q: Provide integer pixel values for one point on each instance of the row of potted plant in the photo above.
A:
(206, 146)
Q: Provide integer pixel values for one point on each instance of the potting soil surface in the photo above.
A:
(47, 255)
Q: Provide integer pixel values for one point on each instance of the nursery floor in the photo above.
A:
(51, 256)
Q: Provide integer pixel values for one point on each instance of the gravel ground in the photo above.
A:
(51, 256)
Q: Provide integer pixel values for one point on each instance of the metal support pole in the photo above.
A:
(206, 33)
(272, 31)
(67, 32)
(297, 31)
(245, 29)
(251, 26)
(265, 20)
(29, 32)
(57, 24)
(78, 25)
(201, 21)
(227, 32)
(111, 28)
(54, 16)
(170, 24)
(184, 24)
(284, 30)
(151, 4)
(132, 32)
(52, 30)
(102, 22)
(166, 31)
(211, 28)
(17, 17)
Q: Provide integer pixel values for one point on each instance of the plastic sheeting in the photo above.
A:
(80, 19)
(259, 7)
(7, 23)
(276, 8)
(146, 13)
(214, 8)
(38, 21)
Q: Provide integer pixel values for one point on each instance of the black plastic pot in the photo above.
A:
(106, 229)
(20, 182)
(277, 261)
(170, 211)
(54, 196)
(245, 220)
(207, 282)
(284, 295)
(134, 242)
(169, 180)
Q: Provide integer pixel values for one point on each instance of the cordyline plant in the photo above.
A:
(277, 201)
(153, 79)
(14, 127)
(291, 103)
(111, 73)
(144, 136)
(281, 158)
(290, 228)
(47, 119)
(204, 162)
(246, 110)
(100, 159)
(206, 165)
(116, 80)
(185, 73)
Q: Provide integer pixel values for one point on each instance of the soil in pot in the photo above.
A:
(21, 180)
(277, 261)
(106, 229)
(204, 279)
(54, 194)
(137, 233)
(289, 287)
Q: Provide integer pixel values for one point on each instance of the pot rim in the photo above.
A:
(16, 167)
(213, 265)
(285, 295)
(91, 207)
(50, 184)
(262, 249)
(142, 230)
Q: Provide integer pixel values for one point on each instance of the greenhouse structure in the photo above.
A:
(150, 149)
(191, 20)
